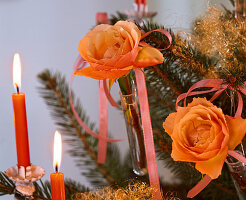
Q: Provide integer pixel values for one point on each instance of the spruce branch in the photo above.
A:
(6, 185)
(83, 137)
(165, 78)
(55, 91)
(42, 189)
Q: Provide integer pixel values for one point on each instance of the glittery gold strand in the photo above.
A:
(219, 35)
(134, 191)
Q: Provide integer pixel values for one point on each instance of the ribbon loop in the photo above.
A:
(218, 87)
(79, 63)
(206, 179)
(108, 95)
(164, 32)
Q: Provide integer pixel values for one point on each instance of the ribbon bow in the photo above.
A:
(218, 87)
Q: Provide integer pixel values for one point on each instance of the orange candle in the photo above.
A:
(138, 2)
(57, 186)
(57, 178)
(20, 120)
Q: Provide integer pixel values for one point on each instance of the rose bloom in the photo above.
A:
(112, 51)
(202, 134)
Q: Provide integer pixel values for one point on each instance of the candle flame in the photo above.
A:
(57, 150)
(17, 70)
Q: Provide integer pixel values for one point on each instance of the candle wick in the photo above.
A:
(56, 168)
(17, 88)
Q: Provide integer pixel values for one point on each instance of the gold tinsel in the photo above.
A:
(181, 49)
(216, 48)
(134, 191)
(220, 35)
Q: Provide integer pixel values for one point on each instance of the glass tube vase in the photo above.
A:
(134, 132)
(238, 174)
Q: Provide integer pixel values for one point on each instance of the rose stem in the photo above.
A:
(126, 89)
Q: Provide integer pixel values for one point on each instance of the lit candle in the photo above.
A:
(144, 2)
(19, 108)
(138, 2)
(57, 178)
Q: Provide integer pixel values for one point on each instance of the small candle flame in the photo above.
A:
(17, 71)
(57, 151)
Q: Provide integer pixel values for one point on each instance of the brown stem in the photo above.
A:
(128, 88)
(139, 132)
(136, 125)
(82, 136)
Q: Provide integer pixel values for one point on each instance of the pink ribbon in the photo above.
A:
(146, 120)
(103, 116)
(199, 187)
(103, 124)
(108, 95)
(103, 106)
(218, 87)
(147, 132)
(207, 179)
(164, 32)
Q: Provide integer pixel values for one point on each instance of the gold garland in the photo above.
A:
(134, 191)
(218, 35)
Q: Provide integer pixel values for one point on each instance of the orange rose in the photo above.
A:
(202, 134)
(112, 51)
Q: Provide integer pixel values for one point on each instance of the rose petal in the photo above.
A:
(179, 153)
(83, 44)
(117, 62)
(148, 56)
(181, 112)
(200, 101)
(213, 166)
(187, 154)
(237, 130)
(126, 35)
(125, 47)
(168, 125)
(132, 29)
(100, 75)
(128, 59)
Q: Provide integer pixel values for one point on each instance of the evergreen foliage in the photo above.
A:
(184, 65)
(166, 82)
(6, 185)
(42, 189)
(55, 91)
